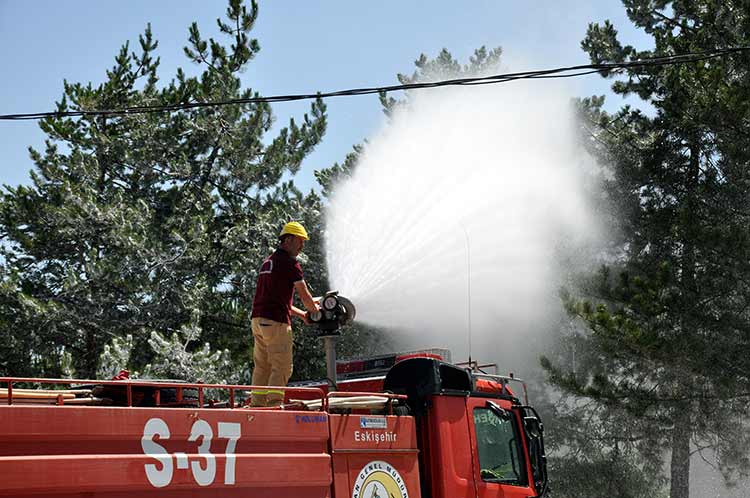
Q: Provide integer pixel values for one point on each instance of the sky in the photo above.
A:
(305, 47)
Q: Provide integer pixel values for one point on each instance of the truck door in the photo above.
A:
(499, 452)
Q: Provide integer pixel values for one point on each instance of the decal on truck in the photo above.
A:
(203, 467)
(379, 479)
(375, 437)
(310, 419)
(373, 423)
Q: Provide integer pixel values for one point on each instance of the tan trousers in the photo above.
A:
(272, 355)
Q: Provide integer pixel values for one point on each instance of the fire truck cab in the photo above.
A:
(475, 438)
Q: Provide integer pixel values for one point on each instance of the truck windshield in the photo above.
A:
(497, 448)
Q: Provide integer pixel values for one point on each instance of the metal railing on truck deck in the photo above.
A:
(504, 382)
(69, 396)
(477, 370)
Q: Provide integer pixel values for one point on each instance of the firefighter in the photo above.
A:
(280, 275)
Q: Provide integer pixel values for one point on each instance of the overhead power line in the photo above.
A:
(560, 72)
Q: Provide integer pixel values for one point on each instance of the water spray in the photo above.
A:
(504, 166)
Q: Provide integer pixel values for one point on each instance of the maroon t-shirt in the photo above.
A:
(273, 294)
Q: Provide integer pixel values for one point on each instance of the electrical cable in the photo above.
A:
(560, 72)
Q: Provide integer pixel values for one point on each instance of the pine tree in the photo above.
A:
(667, 324)
(142, 223)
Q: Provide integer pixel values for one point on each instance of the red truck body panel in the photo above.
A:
(374, 454)
(66, 451)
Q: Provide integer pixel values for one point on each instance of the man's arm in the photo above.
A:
(304, 294)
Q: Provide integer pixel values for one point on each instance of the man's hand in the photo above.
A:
(301, 314)
(304, 294)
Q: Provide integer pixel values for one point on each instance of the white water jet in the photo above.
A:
(490, 178)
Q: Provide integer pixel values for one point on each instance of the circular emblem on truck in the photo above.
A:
(379, 479)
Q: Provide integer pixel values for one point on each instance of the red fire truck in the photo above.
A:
(401, 426)
(432, 429)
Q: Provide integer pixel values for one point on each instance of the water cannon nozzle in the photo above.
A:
(335, 312)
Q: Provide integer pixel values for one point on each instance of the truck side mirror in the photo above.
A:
(533, 426)
(534, 430)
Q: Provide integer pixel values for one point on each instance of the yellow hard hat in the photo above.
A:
(294, 228)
